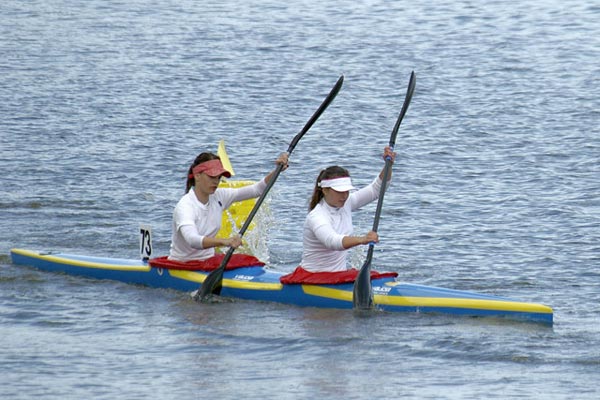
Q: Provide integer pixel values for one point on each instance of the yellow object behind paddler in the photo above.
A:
(224, 157)
(238, 212)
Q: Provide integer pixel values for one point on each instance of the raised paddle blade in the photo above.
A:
(222, 153)
(214, 281)
(412, 82)
(362, 297)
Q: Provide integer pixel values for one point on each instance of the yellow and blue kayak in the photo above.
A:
(256, 282)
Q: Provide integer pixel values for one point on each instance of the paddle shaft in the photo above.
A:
(213, 282)
(363, 292)
(388, 161)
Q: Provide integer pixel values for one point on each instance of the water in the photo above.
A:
(104, 104)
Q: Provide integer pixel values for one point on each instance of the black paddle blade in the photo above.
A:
(362, 295)
(211, 285)
(332, 94)
(214, 281)
(409, 93)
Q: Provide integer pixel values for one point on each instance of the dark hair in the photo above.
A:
(202, 157)
(328, 173)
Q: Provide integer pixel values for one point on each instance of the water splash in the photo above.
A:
(256, 237)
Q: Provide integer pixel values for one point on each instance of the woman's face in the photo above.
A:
(207, 184)
(335, 199)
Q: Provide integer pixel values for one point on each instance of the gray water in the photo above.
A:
(103, 105)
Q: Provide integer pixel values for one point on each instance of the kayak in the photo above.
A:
(258, 282)
(250, 279)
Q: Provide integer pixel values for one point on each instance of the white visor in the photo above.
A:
(342, 184)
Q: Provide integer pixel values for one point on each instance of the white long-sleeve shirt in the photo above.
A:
(192, 220)
(326, 226)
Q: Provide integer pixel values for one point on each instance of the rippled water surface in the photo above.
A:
(103, 105)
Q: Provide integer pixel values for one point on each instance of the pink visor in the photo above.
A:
(211, 168)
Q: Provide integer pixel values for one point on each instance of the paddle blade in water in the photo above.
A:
(362, 296)
(211, 285)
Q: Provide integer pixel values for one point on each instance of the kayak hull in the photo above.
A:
(263, 284)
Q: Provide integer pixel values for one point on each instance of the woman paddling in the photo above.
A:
(197, 216)
(328, 227)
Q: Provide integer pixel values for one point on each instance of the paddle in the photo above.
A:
(363, 292)
(214, 281)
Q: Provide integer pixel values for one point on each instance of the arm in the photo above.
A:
(388, 153)
(282, 160)
(371, 192)
(195, 240)
(352, 241)
(331, 239)
(255, 190)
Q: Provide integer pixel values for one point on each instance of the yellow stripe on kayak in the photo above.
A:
(195, 276)
(236, 284)
(80, 263)
(478, 304)
(407, 301)
(327, 292)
